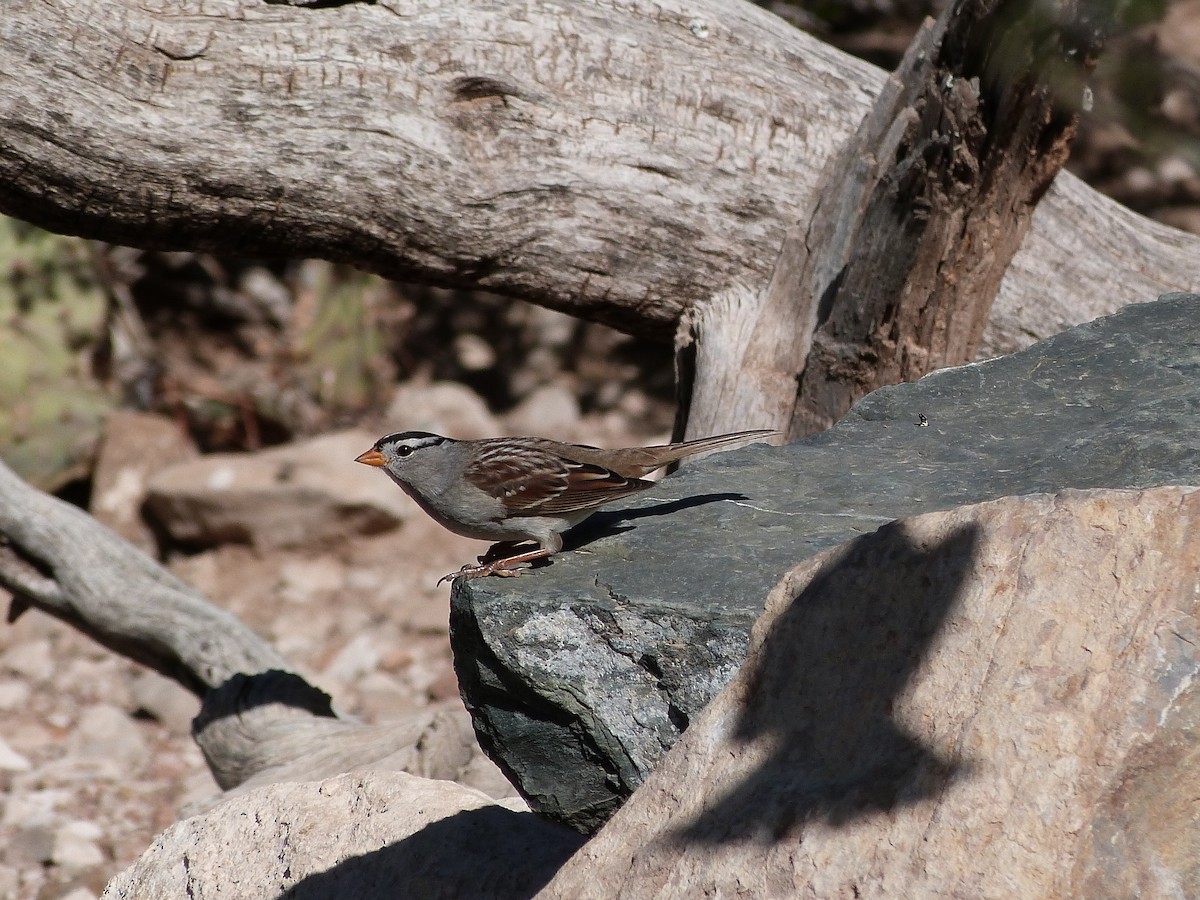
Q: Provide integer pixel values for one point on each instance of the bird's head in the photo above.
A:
(395, 451)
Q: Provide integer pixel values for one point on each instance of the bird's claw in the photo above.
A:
(464, 572)
(469, 571)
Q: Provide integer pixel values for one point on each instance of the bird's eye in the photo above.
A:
(404, 450)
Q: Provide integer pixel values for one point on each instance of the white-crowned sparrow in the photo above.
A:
(522, 488)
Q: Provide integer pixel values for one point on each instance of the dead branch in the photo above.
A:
(62, 561)
(260, 721)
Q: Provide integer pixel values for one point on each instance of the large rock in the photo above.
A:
(375, 836)
(996, 701)
(582, 675)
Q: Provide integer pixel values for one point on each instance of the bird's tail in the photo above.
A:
(639, 461)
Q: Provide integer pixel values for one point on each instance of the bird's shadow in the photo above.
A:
(823, 689)
(607, 523)
(610, 522)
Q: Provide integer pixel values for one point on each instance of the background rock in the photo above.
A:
(301, 495)
(165, 701)
(76, 846)
(11, 760)
(581, 675)
(135, 445)
(443, 407)
(997, 701)
(549, 409)
(103, 737)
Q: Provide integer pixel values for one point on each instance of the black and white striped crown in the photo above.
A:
(413, 439)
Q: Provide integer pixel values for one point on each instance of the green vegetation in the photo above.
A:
(52, 318)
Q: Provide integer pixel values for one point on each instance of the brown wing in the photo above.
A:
(538, 481)
(591, 486)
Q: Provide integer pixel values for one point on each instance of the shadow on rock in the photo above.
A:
(822, 686)
(610, 522)
(488, 852)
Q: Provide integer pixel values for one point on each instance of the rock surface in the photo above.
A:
(581, 676)
(996, 701)
(371, 837)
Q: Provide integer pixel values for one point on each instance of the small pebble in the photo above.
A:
(11, 760)
(30, 845)
(13, 695)
(75, 846)
(358, 658)
(33, 660)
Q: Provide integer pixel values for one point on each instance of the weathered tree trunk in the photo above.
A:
(614, 162)
(964, 143)
(913, 227)
(629, 164)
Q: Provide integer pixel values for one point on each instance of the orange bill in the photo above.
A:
(371, 458)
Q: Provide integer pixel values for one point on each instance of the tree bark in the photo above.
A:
(626, 163)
